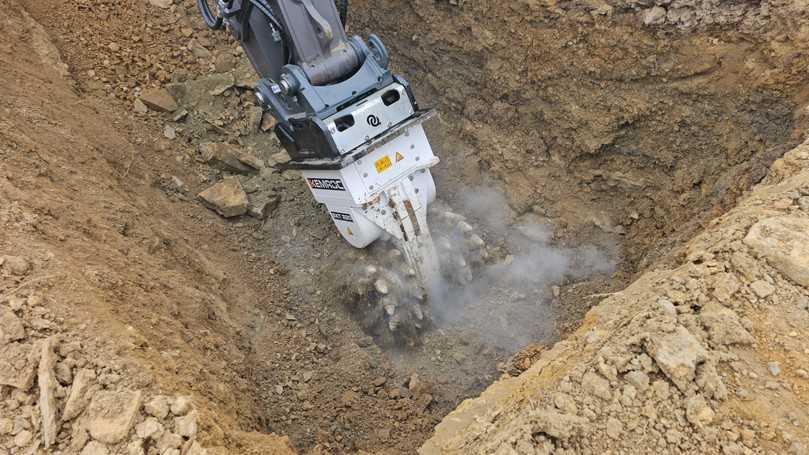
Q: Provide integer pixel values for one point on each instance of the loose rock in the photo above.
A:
(677, 354)
(112, 414)
(187, 425)
(158, 99)
(226, 198)
(698, 412)
(181, 406)
(11, 328)
(47, 389)
(596, 385)
(158, 407)
(784, 242)
(16, 265)
(79, 394)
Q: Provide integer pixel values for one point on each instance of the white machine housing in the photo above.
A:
(385, 184)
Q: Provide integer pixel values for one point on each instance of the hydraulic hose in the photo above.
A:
(342, 7)
(214, 22)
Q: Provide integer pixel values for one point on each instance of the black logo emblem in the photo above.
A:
(339, 216)
(374, 121)
(326, 184)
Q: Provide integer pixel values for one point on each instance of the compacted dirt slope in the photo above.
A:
(104, 282)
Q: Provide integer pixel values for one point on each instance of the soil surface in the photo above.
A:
(586, 142)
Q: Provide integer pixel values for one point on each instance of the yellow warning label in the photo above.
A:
(383, 164)
(399, 157)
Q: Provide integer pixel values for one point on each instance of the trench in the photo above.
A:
(627, 157)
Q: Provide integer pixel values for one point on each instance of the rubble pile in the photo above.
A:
(56, 395)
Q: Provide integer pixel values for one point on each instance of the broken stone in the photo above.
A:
(226, 198)
(180, 116)
(774, 368)
(698, 412)
(181, 406)
(281, 158)
(594, 384)
(169, 441)
(638, 379)
(784, 242)
(556, 425)
(79, 394)
(158, 99)
(201, 51)
(149, 429)
(18, 363)
(95, 448)
(139, 107)
(724, 326)
(725, 286)
(565, 403)
(654, 16)
(762, 289)
(677, 354)
(263, 205)
(186, 425)
(64, 374)
(169, 132)
(23, 438)
(158, 407)
(16, 265)
(47, 389)
(11, 328)
(112, 414)
(229, 158)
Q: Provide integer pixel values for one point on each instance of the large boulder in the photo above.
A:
(784, 242)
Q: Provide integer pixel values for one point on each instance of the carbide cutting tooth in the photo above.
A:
(393, 322)
(389, 304)
(476, 241)
(382, 286)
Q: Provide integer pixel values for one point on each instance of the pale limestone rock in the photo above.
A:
(784, 242)
(112, 414)
(79, 394)
(47, 390)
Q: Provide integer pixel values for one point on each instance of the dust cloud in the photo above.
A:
(509, 302)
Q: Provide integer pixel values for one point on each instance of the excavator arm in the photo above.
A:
(350, 126)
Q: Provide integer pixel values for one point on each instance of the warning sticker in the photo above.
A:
(399, 157)
(383, 164)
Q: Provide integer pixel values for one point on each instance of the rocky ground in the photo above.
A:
(166, 287)
(707, 357)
